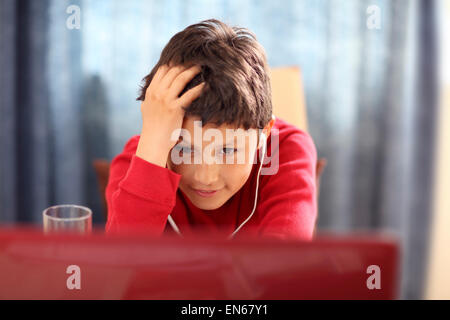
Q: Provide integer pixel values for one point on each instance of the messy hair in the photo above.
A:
(234, 68)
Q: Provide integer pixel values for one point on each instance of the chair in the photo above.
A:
(288, 99)
(101, 167)
(288, 103)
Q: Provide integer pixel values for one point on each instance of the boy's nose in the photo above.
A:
(207, 174)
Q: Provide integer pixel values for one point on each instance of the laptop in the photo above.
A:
(98, 266)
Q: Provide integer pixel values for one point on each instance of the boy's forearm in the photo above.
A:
(153, 148)
(140, 195)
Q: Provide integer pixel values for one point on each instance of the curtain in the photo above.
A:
(68, 97)
(26, 141)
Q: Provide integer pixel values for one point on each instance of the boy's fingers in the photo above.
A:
(189, 96)
(183, 79)
(162, 70)
(170, 76)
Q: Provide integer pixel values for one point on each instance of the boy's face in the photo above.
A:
(211, 145)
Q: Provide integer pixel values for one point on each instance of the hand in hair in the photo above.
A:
(162, 111)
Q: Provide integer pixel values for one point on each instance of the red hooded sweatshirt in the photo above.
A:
(141, 195)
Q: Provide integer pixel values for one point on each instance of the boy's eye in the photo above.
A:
(183, 149)
(229, 150)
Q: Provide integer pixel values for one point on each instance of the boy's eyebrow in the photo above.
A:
(180, 139)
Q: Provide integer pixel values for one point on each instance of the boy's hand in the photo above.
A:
(162, 111)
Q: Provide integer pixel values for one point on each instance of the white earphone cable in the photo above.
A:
(174, 225)
(256, 194)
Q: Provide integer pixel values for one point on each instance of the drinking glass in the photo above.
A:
(67, 218)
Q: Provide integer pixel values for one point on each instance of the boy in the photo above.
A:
(213, 78)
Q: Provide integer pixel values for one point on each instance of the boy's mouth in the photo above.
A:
(206, 193)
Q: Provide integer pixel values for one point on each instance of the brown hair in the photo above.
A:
(234, 67)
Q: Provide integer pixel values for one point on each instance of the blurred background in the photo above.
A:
(373, 73)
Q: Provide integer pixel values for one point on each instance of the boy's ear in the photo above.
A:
(266, 131)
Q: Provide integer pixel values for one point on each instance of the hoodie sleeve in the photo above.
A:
(140, 195)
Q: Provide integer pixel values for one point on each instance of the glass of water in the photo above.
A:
(67, 218)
